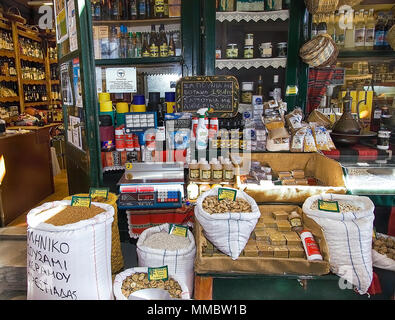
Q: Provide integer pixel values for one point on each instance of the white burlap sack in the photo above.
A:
(349, 238)
(381, 260)
(120, 277)
(71, 261)
(179, 262)
(228, 232)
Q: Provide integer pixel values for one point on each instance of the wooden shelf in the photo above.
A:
(366, 53)
(34, 82)
(36, 104)
(9, 78)
(53, 61)
(29, 35)
(252, 16)
(9, 99)
(7, 53)
(137, 61)
(55, 82)
(32, 59)
(56, 102)
(251, 63)
(384, 84)
(145, 22)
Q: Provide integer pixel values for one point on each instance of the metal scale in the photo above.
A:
(151, 185)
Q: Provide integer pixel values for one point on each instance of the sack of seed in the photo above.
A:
(227, 223)
(69, 252)
(347, 223)
(157, 247)
(134, 279)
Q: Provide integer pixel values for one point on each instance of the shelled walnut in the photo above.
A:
(385, 246)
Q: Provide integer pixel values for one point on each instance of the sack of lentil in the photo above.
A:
(230, 228)
(156, 248)
(348, 234)
(69, 252)
(134, 279)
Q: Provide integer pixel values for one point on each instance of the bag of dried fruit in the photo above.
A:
(347, 223)
(170, 245)
(69, 252)
(227, 216)
(134, 279)
(383, 253)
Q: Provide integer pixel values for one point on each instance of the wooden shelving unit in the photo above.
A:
(143, 22)
(18, 31)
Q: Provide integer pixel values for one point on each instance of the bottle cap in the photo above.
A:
(138, 99)
(106, 106)
(170, 96)
(122, 107)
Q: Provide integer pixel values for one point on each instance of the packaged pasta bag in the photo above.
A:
(320, 137)
(294, 119)
(297, 141)
(309, 142)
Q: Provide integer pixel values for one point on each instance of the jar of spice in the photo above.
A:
(383, 140)
(282, 49)
(266, 50)
(248, 52)
(249, 39)
(232, 51)
(246, 92)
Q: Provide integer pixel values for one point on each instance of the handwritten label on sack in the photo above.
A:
(99, 193)
(224, 193)
(330, 206)
(160, 273)
(81, 201)
(178, 230)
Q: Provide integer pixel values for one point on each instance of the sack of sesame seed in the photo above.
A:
(157, 247)
(347, 223)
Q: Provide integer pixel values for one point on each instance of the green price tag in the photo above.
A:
(81, 201)
(291, 91)
(224, 193)
(99, 192)
(178, 230)
(160, 273)
(331, 206)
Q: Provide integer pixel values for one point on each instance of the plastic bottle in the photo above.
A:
(201, 131)
(339, 29)
(296, 221)
(216, 170)
(205, 170)
(170, 101)
(193, 191)
(350, 35)
(359, 31)
(228, 170)
(369, 33)
(379, 33)
(310, 246)
(194, 171)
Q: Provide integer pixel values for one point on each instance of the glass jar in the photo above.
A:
(247, 89)
(248, 52)
(282, 49)
(383, 140)
(266, 50)
(249, 39)
(232, 51)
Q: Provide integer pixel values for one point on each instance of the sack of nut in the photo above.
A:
(227, 223)
(348, 232)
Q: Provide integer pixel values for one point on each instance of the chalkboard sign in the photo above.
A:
(221, 93)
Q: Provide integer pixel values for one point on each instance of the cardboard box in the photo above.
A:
(265, 263)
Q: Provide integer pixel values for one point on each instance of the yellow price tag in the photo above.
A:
(99, 192)
(81, 201)
(160, 273)
(331, 206)
(128, 166)
(178, 230)
(224, 193)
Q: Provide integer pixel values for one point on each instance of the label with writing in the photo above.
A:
(146, 53)
(164, 50)
(194, 173)
(205, 174)
(224, 193)
(81, 201)
(311, 246)
(160, 273)
(99, 192)
(228, 174)
(331, 206)
(291, 91)
(154, 51)
(217, 174)
(178, 230)
(295, 222)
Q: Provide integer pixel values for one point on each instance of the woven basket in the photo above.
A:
(321, 6)
(117, 262)
(350, 3)
(391, 37)
(320, 51)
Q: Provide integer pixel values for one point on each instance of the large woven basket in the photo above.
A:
(321, 6)
(321, 51)
(117, 262)
(350, 3)
(391, 37)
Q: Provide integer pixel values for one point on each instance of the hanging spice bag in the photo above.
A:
(321, 6)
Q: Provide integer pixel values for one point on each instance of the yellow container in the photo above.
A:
(170, 107)
(138, 108)
(106, 106)
(122, 107)
(104, 96)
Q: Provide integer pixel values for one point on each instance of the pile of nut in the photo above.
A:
(344, 206)
(385, 246)
(211, 204)
(139, 280)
